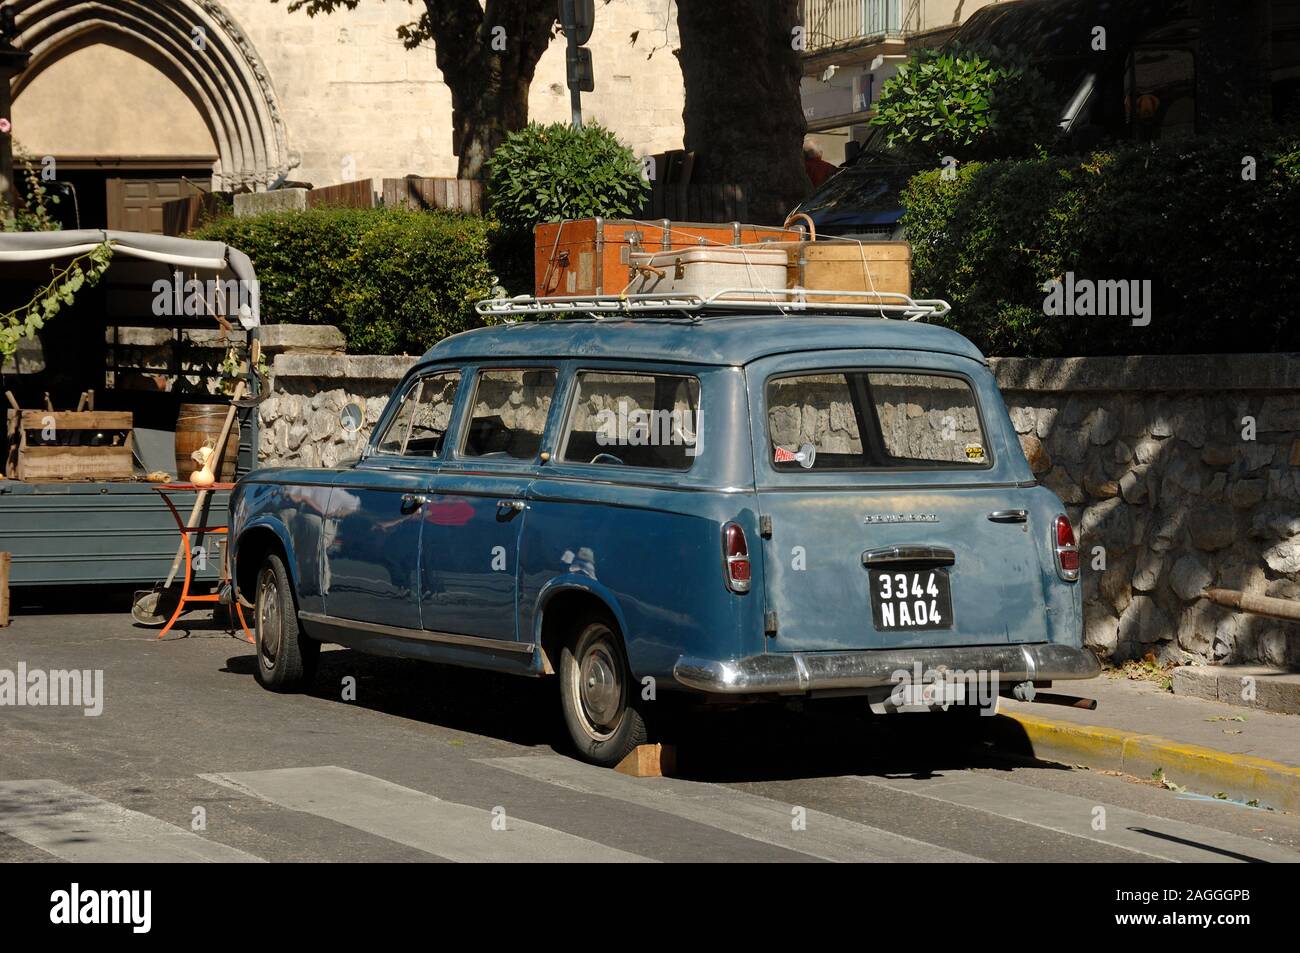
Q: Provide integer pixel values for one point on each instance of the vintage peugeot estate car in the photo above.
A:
(714, 499)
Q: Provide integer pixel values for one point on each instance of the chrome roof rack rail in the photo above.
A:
(789, 301)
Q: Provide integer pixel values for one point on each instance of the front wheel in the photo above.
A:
(286, 657)
(596, 694)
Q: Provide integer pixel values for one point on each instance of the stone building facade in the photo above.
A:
(232, 93)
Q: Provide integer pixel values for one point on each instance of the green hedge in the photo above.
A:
(394, 281)
(1221, 252)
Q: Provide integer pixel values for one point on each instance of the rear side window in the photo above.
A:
(633, 420)
(420, 424)
(861, 420)
(509, 413)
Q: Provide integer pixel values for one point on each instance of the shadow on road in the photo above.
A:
(747, 743)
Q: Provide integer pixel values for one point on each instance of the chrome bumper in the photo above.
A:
(799, 672)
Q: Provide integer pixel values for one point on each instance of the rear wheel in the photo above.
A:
(286, 658)
(596, 695)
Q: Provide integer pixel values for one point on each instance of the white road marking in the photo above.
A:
(736, 812)
(446, 829)
(76, 827)
(1069, 814)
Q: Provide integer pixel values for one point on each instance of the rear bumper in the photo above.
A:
(799, 672)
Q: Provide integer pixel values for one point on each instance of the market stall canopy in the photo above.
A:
(183, 253)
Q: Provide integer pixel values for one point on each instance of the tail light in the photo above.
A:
(1067, 550)
(735, 558)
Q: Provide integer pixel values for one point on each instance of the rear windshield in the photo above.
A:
(864, 420)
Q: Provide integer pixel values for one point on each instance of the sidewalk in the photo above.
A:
(1206, 746)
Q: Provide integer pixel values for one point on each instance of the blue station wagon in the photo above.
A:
(689, 496)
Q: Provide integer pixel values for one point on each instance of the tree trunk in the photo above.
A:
(1233, 82)
(744, 118)
(488, 58)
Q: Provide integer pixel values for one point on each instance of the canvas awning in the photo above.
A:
(217, 257)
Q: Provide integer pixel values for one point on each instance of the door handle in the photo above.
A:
(508, 508)
(413, 501)
(1009, 516)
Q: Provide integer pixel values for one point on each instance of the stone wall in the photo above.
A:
(1180, 473)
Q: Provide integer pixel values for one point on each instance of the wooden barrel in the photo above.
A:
(199, 425)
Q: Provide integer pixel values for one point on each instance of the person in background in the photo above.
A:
(819, 170)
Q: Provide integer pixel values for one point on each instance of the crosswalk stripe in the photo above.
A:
(737, 812)
(1070, 814)
(457, 832)
(77, 827)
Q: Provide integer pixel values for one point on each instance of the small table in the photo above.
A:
(164, 490)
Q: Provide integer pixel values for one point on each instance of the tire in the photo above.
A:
(597, 695)
(286, 657)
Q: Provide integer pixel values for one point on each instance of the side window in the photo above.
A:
(635, 420)
(509, 412)
(420, 424)
(871, 420)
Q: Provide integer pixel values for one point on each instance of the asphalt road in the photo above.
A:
(191, 760)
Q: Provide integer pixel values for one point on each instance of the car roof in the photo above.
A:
(733, 340)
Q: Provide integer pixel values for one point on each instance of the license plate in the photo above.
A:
(910, 600)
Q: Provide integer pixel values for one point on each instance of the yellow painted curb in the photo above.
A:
(1204, 770)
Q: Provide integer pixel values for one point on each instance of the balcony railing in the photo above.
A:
(832, 22)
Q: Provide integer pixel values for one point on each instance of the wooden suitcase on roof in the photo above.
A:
(841, 265)
(593, 256)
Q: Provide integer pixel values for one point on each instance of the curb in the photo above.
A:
(1204, 770)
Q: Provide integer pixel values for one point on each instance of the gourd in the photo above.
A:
(203, 476)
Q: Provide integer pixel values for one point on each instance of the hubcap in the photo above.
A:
(600, 689)
(268, 614)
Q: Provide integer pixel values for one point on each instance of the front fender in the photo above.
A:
(277, 510)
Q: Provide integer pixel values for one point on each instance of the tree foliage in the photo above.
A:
(1221, 266)
(551, 173)
(968, 104)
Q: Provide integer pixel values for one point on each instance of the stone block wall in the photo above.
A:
(1179, 473)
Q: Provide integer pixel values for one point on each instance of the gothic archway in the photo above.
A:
(200, 47)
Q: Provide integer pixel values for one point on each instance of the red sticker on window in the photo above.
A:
(783, 455)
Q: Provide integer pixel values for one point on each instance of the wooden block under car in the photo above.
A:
(649, 761)
(71, 456)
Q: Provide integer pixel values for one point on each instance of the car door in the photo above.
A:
(476, 513)
(373, 522)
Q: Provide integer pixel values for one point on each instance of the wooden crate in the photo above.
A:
(593, 256)
(73, 460)
(850, 266)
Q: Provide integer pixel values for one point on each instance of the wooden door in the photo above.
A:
(136, 204)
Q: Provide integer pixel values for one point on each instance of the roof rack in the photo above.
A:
(882, 304)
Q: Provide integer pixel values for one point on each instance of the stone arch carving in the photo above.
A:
(196, 43)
